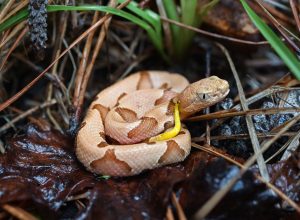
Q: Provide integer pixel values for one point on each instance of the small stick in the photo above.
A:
(250, 125)
(18, 212)
(97, 48)
(26, 113)
(295, 13)
(6, 8)
(15, 44)
(180, 212)
(242, 136)
(234, 112)
(83, 63)
(213, 34)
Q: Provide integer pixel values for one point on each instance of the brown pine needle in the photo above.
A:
(19, 213)
(206, 33)
(234, 112)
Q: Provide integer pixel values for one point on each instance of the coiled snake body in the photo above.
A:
(114, 136)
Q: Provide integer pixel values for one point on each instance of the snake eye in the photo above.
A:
(203, 96)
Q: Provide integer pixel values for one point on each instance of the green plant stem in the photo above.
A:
(188, 17)
(152, 18)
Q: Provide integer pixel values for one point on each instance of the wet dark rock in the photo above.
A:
(40, 173)
(41, 170)
(142, 197)
(248, 199)
(263, 124)
(286, 176)
(226, 104)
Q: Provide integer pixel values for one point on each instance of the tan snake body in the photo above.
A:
(134, 109)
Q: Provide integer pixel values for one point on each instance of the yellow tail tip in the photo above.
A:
(173, 132)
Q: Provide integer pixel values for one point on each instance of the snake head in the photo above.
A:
(202, 94)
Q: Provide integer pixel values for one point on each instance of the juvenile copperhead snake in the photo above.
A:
(114, 137)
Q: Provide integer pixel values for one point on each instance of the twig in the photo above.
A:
(242, 136)
(279, 26)
(293, 143)
(97, 48)
(251, 100)
(180, 212)
(169, 214)
(292, 147)
(6, 8)
(8, 35)
(135, 43)
(278, 4)
(295, 13)
(80, 205)
(280, 15)
(83, 63)
(213, 34)
(123, 45)
(74, 71)
(132, 65)
(234, 112)
(254, 140)
(57, 50)
(2, 148)
(15, 44)
(26, 113)
(84, 195)
(31, 119)
(20, 5)
(18, 212)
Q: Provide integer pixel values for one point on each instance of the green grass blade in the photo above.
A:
(23, 14)
(153, 35)
(172, 13)
(281, 49)
(148, 15)
(188, 14)
(151, 17)
(171, 10)
(17, 18)
(188, 17)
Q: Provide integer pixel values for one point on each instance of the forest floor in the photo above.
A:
(52, 65)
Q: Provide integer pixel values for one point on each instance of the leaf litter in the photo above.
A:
(40, 173)
(40, 176)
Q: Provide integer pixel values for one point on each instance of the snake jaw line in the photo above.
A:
(174, 131)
